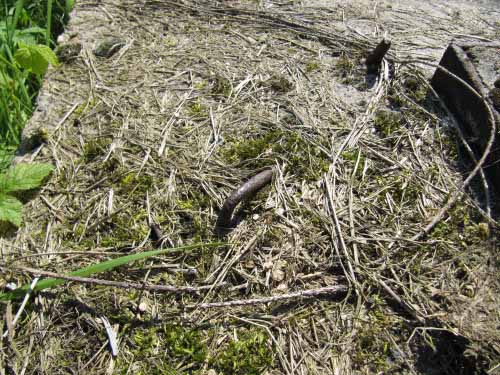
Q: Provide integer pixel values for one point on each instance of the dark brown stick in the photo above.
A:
(375, 58)
(243, 193)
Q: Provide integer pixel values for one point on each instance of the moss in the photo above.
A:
(194, 200)
(171, 349)
(415, 89)
(125, 229)
(279, 83)
(301, 158)
(311, 66)
(249, 354)
(495, 97)
(196, 109)
(387, 122)
(352, 156)
(221, 86)
(131, 183)
(344, 65)
(95, 148)
(200, 85)
(185, 344)
(372, 348)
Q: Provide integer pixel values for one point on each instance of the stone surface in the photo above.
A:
(478, 65)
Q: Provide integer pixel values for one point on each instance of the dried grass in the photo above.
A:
(202, 96)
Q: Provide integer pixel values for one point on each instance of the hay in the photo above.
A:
(202, 96)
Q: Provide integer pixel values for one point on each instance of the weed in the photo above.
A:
(97, 268)
(26, 33)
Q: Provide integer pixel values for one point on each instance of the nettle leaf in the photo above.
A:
(35, 57)
(24, 177)
(10, 209)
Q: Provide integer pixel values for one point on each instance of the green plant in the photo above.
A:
(185, 344)
(98, 268)
(27, 31)
(19, 178)
(250, 354)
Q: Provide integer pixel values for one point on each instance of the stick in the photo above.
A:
(310, 293)
(243, 193)
(491, 139)
(118, 284)
(23, 305)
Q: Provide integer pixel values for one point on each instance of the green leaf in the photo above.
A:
(24, 177)
(10, 209)
(69, 6)
(35, 58)
(101, 267)
(27, 36)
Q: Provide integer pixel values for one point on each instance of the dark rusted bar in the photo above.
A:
(243, 193)
(375, 58)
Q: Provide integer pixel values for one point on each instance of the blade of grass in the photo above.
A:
(11, 27)
(101, 267)
(49, 22)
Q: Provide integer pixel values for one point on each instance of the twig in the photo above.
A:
(117, 284)
(23, 305)
(491, 139)
(310, 293)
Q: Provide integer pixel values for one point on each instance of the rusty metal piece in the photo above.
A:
(375, 58)
(243, 193)
(156, 235)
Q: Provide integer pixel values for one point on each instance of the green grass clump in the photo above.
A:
(249, 354)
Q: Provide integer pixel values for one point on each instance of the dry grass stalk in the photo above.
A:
(205, 94)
